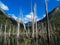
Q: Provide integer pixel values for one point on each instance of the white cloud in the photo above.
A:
(16, 18)
(13, 16)
(29, 16)
(3, 6)
(38, 19)
(44, 15)
(26, 19)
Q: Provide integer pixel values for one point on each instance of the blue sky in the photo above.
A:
(12, 7)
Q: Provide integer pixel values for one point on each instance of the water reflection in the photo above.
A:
(24, 40)
(25, 37)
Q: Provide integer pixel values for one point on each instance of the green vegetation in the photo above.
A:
(56, 18)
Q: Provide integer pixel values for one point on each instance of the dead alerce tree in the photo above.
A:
(35, 21)
(35, 18)
(47, 22)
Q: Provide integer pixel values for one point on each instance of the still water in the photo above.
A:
(24, 39)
